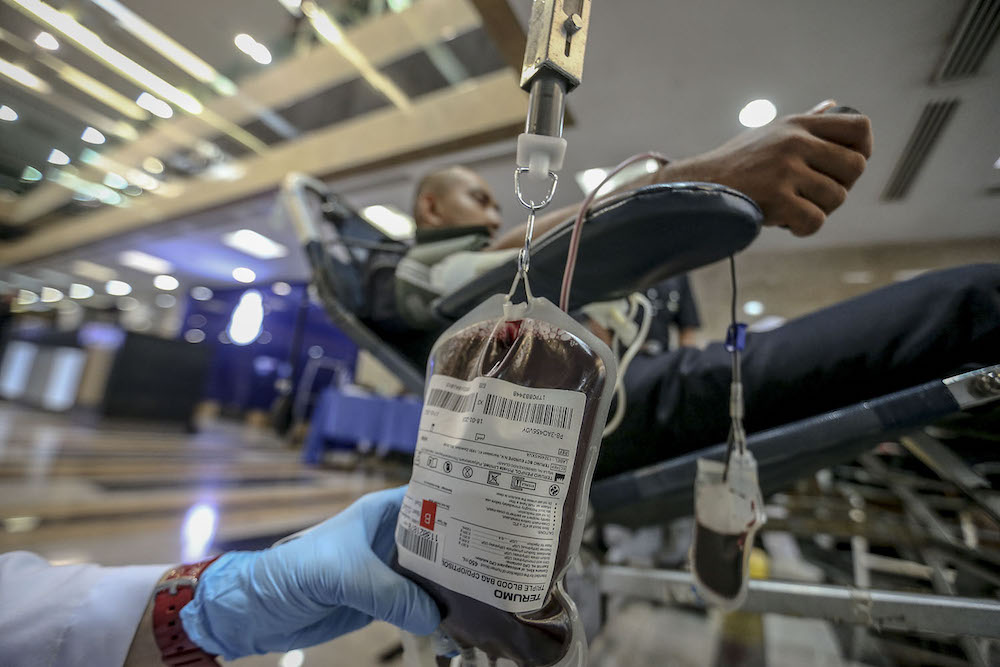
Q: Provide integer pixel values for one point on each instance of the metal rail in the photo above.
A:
(890, 610)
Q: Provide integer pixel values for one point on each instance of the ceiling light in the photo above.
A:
(99, 91)
(166, 300)
(252, 48)
(201, 293)
(143, 180)
(140, 261)
(194, 335)
(7, 114)
(128, 303)
(167, 47)
(154, 105)
(51, 295)
(91, 41)
(588, 179)
(117, 288)
(92, 136)
(82, 186)
(328, 29)
(31, 175)
(281, 288)
(152, 165)
(56, 156)
(79, 291)
(86, 269)
(244, 275)
(758, 113)
(113, 180)
(165, 282)
(390, 220)
(254, 244)
(294, 658)
(23, 77)
(26, 297)
(247, 319)
(46, 41)
(753, 308)
(996, 165)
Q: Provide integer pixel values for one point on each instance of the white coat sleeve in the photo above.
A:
(69, 615)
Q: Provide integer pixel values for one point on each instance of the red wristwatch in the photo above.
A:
(174, 591)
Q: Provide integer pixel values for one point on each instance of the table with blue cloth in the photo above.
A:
(347, 417)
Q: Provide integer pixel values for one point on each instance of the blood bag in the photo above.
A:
(515, 401)
(728, 512)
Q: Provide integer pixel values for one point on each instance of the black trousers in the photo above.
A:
(925, 328)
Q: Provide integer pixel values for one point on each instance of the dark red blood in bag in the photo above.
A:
(537, 355)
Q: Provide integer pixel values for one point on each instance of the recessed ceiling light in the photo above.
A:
(152, 165)
(588, 179)
(201, 293)
(753, 308)
(116, 181)
(23, 77)
(252, 48)
(31, 175)
(140, 261)
(80, 291)
(244, 275)
(26, 297)
(758, 113)
(56, 156)
(281, 288)
(154, 105)
(7, 114)
(92, 136)
(46, 41)
(166, 300)
(51, 295)
(117, 288)
(165, 282)
(128, 303)
(996, 165)
(254, 244)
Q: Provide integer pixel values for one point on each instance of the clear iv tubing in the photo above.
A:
(737, 434)
(574, 242)
(636, 299)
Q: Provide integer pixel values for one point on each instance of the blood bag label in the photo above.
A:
(492, 467)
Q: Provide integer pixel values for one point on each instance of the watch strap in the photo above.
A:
(174, 591)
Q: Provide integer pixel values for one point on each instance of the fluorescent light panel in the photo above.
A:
(91, 42)
(140, 261)
(23, 77)
(7, 114)
(254, 244)
(155, 39)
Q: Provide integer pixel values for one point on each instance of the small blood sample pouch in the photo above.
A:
(728, 512)
(516, 398)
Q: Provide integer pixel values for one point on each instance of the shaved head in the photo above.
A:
(455, 196)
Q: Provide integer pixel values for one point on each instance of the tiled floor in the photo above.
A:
(119, 495)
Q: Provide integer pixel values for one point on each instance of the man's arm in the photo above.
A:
(798, 169)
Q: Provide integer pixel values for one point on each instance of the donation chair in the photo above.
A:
(639, 238)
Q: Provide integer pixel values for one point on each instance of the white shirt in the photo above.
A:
(70, 615)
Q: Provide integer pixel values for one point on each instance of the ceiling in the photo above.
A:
(664, 76)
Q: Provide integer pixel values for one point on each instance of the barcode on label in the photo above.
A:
(420, 542)
(542, 414)
(442, 398)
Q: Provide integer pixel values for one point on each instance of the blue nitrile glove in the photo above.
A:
(331, 580)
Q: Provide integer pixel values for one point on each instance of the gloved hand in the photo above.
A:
(331, 580)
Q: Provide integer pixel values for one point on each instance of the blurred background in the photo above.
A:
(170, 382)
